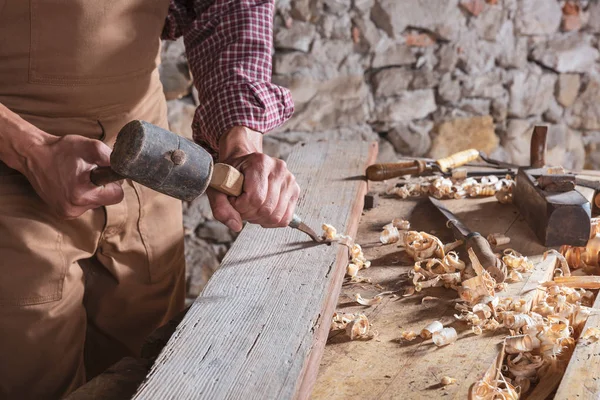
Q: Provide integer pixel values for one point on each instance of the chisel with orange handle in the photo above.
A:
(381, 172)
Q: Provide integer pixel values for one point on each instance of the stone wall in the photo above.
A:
(430, 77)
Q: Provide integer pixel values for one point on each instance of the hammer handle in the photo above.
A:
(104, 175)
(381, 172)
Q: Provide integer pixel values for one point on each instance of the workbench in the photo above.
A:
(387, 367)
(259, 330)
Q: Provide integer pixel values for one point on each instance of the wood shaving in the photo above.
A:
(515, 260)
(359, 328)
(580, 282)
(444, 337)
(367, 302)
(498, 239)
(446, 380)
(430, 329)
(409, 336)
(591, 335)
(457, 187)
(389, 235)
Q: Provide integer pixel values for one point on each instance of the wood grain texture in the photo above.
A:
(262, 319)
(388, 368)
(581, 379)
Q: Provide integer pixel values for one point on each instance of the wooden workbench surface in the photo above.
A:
(386, 367)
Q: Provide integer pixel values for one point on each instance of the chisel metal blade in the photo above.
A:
(461, 231)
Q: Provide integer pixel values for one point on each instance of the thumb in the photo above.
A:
(223, 211)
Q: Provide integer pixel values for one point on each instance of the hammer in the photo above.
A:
(173, 165)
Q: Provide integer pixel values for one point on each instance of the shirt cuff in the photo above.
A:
(261, 106)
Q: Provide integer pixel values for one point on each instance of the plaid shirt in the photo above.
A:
(228, 46)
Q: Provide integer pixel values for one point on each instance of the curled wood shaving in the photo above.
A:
(389, 235)
(591, 335)
(359, 328)
(409, 336)
(430, 329)
(444, 337)
(367, 302)
(446, 380)
(498, 239)
(422, 246)
(516, 261)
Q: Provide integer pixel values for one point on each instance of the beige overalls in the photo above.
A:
(106, 279)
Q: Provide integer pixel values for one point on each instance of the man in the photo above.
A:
(104, 266)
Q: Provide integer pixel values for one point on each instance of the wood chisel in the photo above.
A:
(476, 241)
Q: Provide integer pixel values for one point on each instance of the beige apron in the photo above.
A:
(83, 67)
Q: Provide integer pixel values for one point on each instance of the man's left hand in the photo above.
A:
(270, 191)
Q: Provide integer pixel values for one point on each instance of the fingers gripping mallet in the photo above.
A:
(173, 165)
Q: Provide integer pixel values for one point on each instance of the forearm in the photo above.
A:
(229, 50)
(18, 138)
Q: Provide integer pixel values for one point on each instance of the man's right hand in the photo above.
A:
(59, 171)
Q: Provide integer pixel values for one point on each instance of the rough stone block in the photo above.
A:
(464, 133)
(443, 18)
(567, 89)
(298, 37)
(411, 139)
(571, 52)
(585, 112)
(391, 81)
(538, 17)
(530, 92)
(396, 55)
(407, 106)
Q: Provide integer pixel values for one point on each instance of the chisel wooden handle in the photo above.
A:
(486, 256)
(381, 172)
(457, 159)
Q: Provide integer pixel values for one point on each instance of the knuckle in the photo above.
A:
(256, 201)
(266, 210)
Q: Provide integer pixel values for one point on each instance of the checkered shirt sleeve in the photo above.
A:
(228, 46)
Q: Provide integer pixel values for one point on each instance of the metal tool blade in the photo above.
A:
(297, 223)
(459, 229)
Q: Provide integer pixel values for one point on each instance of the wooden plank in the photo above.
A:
(259, 326)
(386, 368)
(581, 380)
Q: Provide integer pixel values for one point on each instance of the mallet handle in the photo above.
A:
(226, 179)
(104, 175)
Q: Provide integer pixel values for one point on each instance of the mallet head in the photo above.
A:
(161, 160)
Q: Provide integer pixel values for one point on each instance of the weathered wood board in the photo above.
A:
(387, 368)
(259, 327)
(581, 380)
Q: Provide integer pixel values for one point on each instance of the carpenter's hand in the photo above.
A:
(270, 191)
(59, 171)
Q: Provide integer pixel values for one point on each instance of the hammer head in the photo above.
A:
(161, 160)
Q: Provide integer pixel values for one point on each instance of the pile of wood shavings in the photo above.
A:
(542, 337)
(453, 188)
